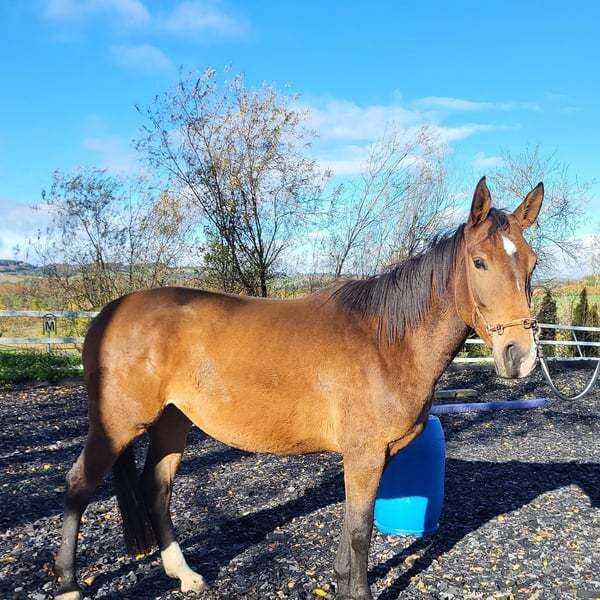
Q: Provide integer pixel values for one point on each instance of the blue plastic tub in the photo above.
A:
(411, 492)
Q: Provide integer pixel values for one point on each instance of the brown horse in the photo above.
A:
(350, 369)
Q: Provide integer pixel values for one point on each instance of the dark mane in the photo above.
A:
(400, 297)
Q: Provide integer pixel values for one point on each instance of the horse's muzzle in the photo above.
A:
(513, 361)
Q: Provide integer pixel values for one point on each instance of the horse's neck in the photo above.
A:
(448, 332)
(432, 345)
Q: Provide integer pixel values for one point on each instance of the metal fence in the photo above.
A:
(579, 344)
(50, 337)
(48, 327)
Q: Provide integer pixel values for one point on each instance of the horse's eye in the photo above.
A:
(479, 263)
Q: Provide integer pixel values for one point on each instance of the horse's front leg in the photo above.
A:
(362, 472)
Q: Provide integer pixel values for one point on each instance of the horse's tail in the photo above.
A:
(137, 528)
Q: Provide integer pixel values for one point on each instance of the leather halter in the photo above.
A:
(527, 323)
(498, 328)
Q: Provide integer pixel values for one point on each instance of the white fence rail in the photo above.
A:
(45, 315)
(570, 327)
(70, 314)
(73, 314)
(546, 342)
(51, 341)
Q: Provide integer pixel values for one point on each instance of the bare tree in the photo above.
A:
(394, 207)
(109, 236)
(218, 271)
(564, 198)
(239, 155)
(595, 254)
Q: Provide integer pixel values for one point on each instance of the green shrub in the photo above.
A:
(477, 350)
(547, 313)
(32, 365)
(586, 314)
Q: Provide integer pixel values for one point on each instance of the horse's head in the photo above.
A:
(498, 267)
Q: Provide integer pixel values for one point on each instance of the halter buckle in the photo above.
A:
(500, 327)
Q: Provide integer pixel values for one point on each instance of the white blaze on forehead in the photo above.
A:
(509, 246)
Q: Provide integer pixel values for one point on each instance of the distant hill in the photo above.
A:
(11, 269)
(18, 268)
(14, 271)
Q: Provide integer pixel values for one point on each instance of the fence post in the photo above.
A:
(578, 347)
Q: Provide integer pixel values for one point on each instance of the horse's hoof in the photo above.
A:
(73, 595)
(193, 583)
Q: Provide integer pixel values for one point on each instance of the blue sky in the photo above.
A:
(492, 76)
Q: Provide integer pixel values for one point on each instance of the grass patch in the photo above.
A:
(21, 366)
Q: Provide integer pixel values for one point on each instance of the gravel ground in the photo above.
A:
(521, 518)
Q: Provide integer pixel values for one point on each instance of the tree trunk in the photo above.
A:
(263, 282)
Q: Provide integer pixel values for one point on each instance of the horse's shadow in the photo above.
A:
(476, 492)
(40, 494)
(210, 550)
(479, 491)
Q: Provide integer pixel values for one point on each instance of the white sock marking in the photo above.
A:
(176, 566)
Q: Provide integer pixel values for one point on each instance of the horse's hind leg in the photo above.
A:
(167, 441)
(95, 460)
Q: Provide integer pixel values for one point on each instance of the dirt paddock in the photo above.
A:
(521, 518)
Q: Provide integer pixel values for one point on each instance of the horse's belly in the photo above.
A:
(264, 401)
(262, 424)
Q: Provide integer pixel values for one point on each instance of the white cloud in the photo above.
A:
(569, 110)
(199, 17)
(565, 104)
(460, 104)
(344, 160)
(346, 130)
(444, 103)
(483, 161)
(188, 18)
(565, 267)
(144, 57)
(18, 227)
(114, 153)
(345, 120)
(130, 13)
(454, 134)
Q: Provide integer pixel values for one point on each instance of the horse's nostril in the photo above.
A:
(511, 353)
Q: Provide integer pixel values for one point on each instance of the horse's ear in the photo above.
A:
(482, 203)
(529, 209)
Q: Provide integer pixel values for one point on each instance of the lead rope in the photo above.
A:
(546, 372)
